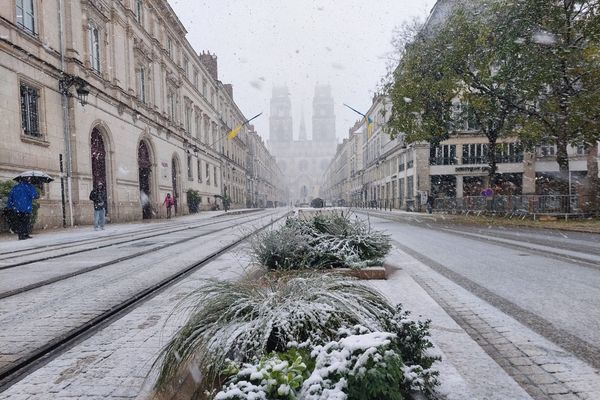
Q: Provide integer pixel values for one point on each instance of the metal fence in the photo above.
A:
(520, 204)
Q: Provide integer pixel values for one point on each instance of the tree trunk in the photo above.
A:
(592, 182)
(492, 159)
(562, 158)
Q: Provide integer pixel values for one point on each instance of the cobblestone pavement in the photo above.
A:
(38, 317)
(117, 362)
(542, 368)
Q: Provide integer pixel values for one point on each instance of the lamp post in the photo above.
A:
(65, 82)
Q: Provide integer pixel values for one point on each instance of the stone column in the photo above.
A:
(528, 173)
(459, 187)
(421, 165)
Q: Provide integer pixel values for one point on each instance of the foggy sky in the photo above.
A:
(262, 43)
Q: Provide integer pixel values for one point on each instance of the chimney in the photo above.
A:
(210, 63)
(229, 89)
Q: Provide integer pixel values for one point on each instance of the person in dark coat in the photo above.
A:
(430, 202)
(20, 201)
(98, 196)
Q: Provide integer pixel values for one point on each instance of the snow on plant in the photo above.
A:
(276, 376)
(244, 320)
(412, 339)
(359, 364)
(323, 241)
(282, 249)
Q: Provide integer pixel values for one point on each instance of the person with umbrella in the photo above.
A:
(20, 201)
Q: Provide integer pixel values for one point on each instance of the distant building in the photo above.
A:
(264, 182)
(303, 161)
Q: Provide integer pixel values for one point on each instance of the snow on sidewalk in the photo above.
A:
(466, 371)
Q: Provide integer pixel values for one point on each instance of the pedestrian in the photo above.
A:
(169, 202)
(20, 201)
(98, 196)
(430, 200)
(226, 202)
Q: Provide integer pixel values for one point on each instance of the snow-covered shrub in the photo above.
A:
(360, 365)
(321, 242)
(276, 376)
(244, 320)
(412, 340)
(281, 249)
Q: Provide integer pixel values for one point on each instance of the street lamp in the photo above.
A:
(82, 89)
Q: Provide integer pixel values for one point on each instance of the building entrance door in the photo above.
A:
(175, 181)
(145, 175)
(98, 161)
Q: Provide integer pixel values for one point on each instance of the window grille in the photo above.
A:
(29, 110)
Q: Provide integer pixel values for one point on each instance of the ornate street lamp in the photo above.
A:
(82, 89)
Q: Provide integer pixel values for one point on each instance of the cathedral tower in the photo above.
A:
(323, 122)
(280, 120)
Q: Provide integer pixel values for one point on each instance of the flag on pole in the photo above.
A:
(234, 132)
(355, 110)
(369, 120)
(370, 126)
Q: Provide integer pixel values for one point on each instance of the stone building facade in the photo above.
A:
(303, 161)
(153, 121)
(395, 174)
(265, 187)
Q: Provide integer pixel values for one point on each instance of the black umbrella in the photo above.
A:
(34, 176)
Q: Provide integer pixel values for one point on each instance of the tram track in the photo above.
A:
(141, 253)
(112, 241)
(34, 359)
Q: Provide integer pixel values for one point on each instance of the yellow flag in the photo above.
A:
(234, 132)
(370, 125)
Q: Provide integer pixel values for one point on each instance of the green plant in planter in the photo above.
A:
(359, 365)
(260, 334)
(321, 242)
(276, 376)
(193, 200)
(245, 320)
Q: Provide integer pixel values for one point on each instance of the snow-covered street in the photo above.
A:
(509, 323)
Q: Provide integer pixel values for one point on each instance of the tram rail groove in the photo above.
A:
(4, 255)
(82, 271)
(502, 241)
(44, 354)
(156, 232)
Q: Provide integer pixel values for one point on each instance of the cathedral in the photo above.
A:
(302, 161)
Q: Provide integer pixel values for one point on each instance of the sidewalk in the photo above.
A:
(466, 371)
(489, 355)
